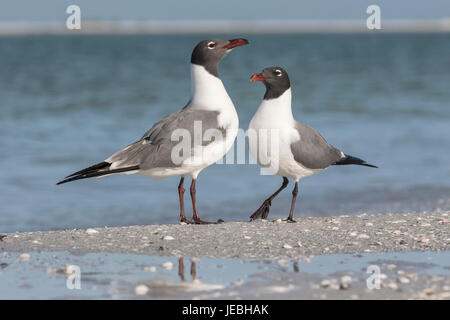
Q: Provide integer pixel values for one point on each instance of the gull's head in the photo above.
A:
(275, 79)
(208, 53)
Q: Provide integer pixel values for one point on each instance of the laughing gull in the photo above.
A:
(301, 150)
(187, 141)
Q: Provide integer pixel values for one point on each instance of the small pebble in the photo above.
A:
(25, 256)
(151, 269)
(393, 286)
(391, 266)
(282, 262)
(168, 238)
(141, 290)
(428, 292)
(51, 270)
(167, 265)
(91, 231)
(286, 246)
(404, 280)
(412, 276)
(345, 282)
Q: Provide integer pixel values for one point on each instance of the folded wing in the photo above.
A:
(312, 150)
(154, 149)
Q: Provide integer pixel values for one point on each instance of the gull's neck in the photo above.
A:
(208, 92)
(278, 109)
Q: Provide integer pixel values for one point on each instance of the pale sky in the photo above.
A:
(55, 10)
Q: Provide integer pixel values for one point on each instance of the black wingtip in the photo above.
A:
(370, 165)
(85, 172)
(70, 179)
(96, 173)
(354, 160)
(99, 166)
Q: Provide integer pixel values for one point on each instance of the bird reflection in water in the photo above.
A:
(181, 269)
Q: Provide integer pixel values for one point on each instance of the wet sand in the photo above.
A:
(315, 258)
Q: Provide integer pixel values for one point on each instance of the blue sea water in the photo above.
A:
(67, 102)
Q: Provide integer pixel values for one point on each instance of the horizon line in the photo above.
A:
(222, 26)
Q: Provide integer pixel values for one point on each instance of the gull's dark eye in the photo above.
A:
(211, 45)
(278, 73)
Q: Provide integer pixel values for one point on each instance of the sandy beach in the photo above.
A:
(427, 231)
(315, 258)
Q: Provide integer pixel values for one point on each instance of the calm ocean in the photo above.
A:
(67, 102)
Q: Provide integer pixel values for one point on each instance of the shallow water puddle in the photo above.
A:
(63, 275)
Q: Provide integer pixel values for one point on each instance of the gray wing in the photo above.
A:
(312, 151)
(154, 149)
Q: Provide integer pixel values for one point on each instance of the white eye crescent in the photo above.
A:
(211, 45)
(278, 73)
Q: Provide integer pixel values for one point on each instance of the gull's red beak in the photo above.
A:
(257, 77)
(235, 43)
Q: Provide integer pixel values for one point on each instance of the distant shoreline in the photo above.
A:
(223, 26)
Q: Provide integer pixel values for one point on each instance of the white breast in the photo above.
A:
(209, 93)
(271, 133)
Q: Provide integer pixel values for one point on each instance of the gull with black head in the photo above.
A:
(301, 150)
(209, 119)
